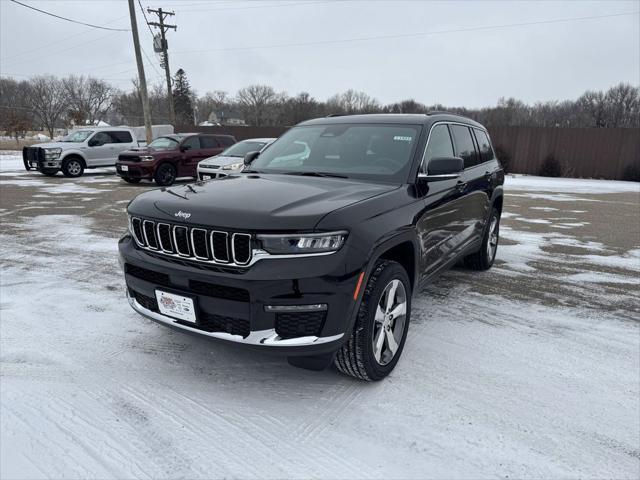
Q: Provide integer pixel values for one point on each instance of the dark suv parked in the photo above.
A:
(170, 156)
(314, 251)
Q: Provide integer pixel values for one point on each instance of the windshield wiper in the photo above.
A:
(317, 174)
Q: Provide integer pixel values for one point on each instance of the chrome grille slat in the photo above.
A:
(220, 246)
(149, 230)
(194, 244)
(162, 229)
(215, 247)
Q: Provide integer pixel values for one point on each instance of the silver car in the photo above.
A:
(231, 160)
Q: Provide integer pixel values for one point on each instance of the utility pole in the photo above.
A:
(141, 76)
(165, 56)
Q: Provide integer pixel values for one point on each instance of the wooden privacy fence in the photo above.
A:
(582, 152)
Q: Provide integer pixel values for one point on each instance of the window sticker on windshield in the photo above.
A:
(400, 138)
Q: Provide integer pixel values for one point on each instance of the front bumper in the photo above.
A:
(213, 173)
(135, 169)
(225, 315)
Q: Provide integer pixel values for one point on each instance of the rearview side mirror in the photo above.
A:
(250, 157)
(443, 168)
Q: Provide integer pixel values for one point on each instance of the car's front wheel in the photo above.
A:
(381, 325)
(72, 167)
(165, 175)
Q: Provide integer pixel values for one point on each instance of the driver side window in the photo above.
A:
(99, 139)
(439, 145)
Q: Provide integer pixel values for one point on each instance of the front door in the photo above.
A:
(438, 224)
(191, 156)
(99, 150)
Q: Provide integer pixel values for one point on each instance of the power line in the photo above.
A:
(146, 20)
(71, 20)
(407, 35)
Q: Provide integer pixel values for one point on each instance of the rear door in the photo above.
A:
(469, 185)
(211, 145)
(191, 155)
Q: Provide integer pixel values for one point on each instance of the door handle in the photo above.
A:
(461, 185)
(488, 175)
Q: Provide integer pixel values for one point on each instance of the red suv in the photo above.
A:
(170, 156)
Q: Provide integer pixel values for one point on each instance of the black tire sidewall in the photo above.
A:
(393, 271)
(65, 167)
(158, 175)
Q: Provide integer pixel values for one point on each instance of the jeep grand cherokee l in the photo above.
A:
(316, 258)
(170, 156)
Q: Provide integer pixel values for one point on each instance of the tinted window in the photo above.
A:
(192, 143)
(486, 153)
(208, 142)
(465, 148)
(120, 137)
(100, 138)
(226, 141)
(439, 144)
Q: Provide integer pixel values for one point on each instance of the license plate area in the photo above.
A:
(176, 306)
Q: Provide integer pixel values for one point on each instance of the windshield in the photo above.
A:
(164, 143)
(78, 136)
(372, 152)
(240, 149)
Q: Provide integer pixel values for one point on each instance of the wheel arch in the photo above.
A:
(77, 155)
(402, 248)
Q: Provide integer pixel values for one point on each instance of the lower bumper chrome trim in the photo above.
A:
(267, 337)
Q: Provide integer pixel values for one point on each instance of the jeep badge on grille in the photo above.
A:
(182, 214)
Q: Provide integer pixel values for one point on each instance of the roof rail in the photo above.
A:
(336, 115)
(442, 112)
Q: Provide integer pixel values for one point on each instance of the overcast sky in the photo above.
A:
(225, 45)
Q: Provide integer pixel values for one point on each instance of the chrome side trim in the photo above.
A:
(267, 337)
(146, 238)
(165, 250)
(193, 243)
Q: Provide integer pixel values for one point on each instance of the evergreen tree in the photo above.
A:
(182, 98)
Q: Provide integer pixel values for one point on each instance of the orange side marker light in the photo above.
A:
(357, 291)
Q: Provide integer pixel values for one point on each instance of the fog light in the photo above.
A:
(316, 307)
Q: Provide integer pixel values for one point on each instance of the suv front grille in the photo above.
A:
(211, 246)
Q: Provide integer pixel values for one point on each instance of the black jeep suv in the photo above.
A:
(315, 249)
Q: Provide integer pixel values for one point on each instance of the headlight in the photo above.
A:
(146, 158)
(52, 153)
(303, 243)
(234, 166)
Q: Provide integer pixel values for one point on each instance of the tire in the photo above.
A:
(484, 258)
(49, 173)
(72, 167)
(131, 180)
(165, 175)
(357, 357)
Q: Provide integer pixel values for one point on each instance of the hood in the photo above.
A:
(255, 202)
(221, 160)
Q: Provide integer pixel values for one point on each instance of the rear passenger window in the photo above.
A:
(439, 145)
(120, 137)
(192, 143)
(226, 141)
(208, 142)
(465, 148)
(486, 152)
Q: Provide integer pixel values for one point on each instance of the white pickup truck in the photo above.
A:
(90, 147)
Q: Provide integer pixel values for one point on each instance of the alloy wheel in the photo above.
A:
(389, 322)
(492, 241)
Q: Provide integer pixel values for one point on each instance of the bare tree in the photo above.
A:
(49, 101)
(16, 116)
(353, 102)
(255, 101)
(623, 106)
(89, 98)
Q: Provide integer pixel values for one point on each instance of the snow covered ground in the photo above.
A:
(530, 370)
